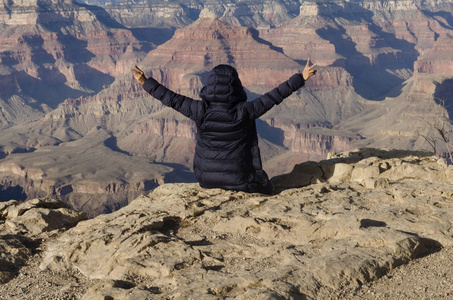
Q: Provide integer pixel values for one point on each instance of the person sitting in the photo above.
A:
(227, 155)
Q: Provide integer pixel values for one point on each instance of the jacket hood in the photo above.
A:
(223, 86)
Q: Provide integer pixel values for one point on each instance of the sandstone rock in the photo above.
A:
(338, 172)
(372, 183)
(18, 209)
(372, 167)
(307, 173)
(40, 220)
(39, 215)
(13, 255)
(182, 241)
(23, 226)
(5, 206)
(116, 290)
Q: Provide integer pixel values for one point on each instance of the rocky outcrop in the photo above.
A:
(23, 226)
(183, 12)
(370, 167)
(366, 214)
(438, 59)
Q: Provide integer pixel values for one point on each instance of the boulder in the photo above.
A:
(365, 165)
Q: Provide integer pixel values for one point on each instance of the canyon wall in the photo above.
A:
(66, 83)
(54, 50)
(180, 13)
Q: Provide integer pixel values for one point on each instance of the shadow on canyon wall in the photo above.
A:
(102, 15)
(270, 133)
(372, 80)
(441, 16)
(179, 174)
(444, 97)
(12, 193)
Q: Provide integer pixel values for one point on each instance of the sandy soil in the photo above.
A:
(429, 277)
(34, 284)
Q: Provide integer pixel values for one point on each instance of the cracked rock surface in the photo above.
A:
(326, 239)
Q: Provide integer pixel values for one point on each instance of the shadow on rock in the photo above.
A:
(372, 168)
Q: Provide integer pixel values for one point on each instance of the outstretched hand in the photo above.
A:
(139, 75)
(309, 71)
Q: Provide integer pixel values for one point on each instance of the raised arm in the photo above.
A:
(261, 105)
(185, 105)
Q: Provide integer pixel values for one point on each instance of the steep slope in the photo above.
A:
(180, 13)
(54, 50)
(417, 117)
(88, 174)
(377, 42)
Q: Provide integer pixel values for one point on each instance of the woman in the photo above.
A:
(227, 154)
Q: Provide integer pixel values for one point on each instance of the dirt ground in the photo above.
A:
(34, 284)
(429, 277)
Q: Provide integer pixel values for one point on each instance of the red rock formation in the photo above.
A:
(438, 60)
(371, 36)
(207, 42)
(179, 64)
(353, 42)
(53, 50)
(299, 38)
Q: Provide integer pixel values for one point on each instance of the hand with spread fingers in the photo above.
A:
(139, 75)
(309, 71)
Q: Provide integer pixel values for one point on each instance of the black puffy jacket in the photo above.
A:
(227, 154)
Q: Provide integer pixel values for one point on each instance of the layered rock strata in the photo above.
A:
(89, 174)
(183, 12)
(54, 50)
(383, 39)
(363, 49)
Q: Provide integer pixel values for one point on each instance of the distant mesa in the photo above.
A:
(207, 13)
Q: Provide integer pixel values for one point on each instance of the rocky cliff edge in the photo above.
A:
(334, 226)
